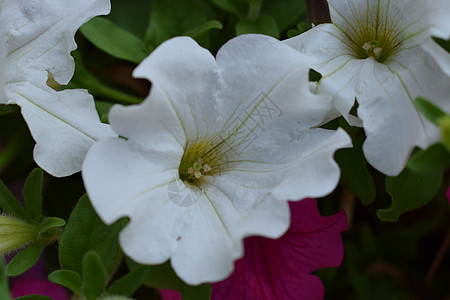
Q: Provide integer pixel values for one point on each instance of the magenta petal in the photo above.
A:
(169, 295)
(32, 286)
(280, 269)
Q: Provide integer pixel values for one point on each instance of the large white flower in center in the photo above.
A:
(379, 52)
(213, 154)
(36, 38)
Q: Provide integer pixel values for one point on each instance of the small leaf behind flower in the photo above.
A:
(68, 278)
(84, 232)
(115, 41)
(417, 184)
(94, 276)
(264, 24)
(431, 111)
(9, 203)
(129, 283)
(24, 260)
(49, 223)
(32, 193)
(34, 297)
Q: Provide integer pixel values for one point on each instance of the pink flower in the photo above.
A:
(281, 269)
(34, 286)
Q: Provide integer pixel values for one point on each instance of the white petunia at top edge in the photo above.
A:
(374, 51)
(38, 37)
(213, 154)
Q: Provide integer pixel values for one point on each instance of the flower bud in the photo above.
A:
(15, 233)
(444, 124)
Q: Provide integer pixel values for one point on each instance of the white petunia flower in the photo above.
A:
(373, 51)
(37, 37)
(212, 155)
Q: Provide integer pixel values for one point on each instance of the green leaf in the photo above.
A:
(167, 22)
(285, 18)
(432, 160)
(34, 297)
(354, 174)
(431, 111)
(115, 41)
(103, 108)
(32, 192)
(7, 109)
(163, 277)
(84, 232)
(4, 284)
(410, 190)
(68, 278)
(10, 204)
(128, 284)
(131, 17)
(51, 223)
(236, 7)
(199, 30)
(94, 276)
(264, 24)
(418, 183)
(24, 260)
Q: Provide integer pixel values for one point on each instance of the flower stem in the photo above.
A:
(121, 97)
(438, 258)
(254, 9)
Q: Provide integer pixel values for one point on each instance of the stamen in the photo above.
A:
(372, 49)
(366, 46)
(197, 166)
(206, 168)
(377, 52)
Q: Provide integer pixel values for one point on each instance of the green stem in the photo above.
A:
(254, 9)
(121, 97)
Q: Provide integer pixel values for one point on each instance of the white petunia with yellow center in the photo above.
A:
(374, 51)
(36, 38)
(213, 154)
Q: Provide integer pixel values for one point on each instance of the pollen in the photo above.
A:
(202, 158)
(372, 49)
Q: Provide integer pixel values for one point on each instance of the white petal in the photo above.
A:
(40, 36)
(187, 78)
(393, 125)
(3, 96)
(437, 12)
(64, 125)
(267, 65)
(154, 124)
(441, 56)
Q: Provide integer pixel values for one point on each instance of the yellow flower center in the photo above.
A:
(374, 34)
(200, 158)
